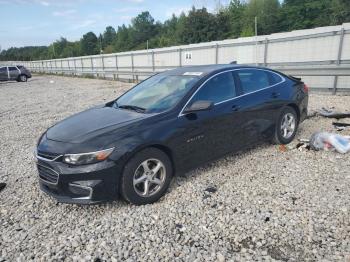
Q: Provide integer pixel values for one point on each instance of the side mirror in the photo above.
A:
(200, 105)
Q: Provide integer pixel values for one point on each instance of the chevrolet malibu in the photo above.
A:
(164, 126)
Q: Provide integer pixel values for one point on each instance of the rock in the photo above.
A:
(2, 186)
(220, 257)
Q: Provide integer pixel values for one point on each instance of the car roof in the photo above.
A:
(204, 69)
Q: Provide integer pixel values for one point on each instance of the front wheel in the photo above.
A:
(146, 177)
(23, 78)
(286, 126)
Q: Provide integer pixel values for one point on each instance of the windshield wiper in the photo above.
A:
(134, 108)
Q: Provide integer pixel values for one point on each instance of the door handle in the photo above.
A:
(236, 107)
(275, 95)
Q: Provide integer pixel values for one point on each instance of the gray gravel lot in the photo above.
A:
(269, 205)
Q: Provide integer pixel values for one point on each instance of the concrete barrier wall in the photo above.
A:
(317, 55)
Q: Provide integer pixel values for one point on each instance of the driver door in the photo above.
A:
(205, 135)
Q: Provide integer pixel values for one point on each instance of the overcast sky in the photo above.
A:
(40, 22)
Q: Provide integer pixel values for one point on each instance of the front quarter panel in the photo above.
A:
(154, 131)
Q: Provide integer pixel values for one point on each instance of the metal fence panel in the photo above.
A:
(198, 56)
(320, 55)
(167, 60)
(345, 55)
(143, 62)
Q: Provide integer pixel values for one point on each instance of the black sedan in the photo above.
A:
(166, 125)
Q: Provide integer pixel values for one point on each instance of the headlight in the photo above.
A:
(87, 158)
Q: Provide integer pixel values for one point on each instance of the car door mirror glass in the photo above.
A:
(200, 105)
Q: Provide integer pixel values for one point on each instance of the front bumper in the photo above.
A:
(86, 184)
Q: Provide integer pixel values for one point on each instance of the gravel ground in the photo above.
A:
(260, 204)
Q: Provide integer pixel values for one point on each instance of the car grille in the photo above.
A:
(47, 174)
(48, 156)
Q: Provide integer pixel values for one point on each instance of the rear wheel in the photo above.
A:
(23, 78)
(286, 126)
(146, 177)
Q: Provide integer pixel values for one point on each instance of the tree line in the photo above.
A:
(198, 25)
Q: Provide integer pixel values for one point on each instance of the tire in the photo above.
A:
(138, 172)
(285, 133)
(23, 78)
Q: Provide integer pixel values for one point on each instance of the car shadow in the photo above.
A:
(16, 82)
(7, 82)
(197, 171)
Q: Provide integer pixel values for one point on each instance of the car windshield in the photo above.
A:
(157, 94)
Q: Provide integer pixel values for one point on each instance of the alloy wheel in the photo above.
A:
(288, 125)
(149, 177)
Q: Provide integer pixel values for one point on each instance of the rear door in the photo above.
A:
(3, 73)
(258, 102)
(14, 72)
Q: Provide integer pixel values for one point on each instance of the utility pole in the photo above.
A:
(256, 40)
(148, 57)
(101, 48)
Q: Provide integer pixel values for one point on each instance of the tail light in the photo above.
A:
(306, 88)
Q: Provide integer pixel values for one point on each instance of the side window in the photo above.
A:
(217, 89)
(12, 68)
(252, 80)
(274, 78)
(3, 69)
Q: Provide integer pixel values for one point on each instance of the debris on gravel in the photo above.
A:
(2, 186)
(211, 189)
(266, 205)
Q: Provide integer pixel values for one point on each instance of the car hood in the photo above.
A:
(91, 123)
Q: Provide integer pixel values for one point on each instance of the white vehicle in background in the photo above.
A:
(18, 73)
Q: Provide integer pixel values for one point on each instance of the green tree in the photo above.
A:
(301, 14)
(122, 42)
(89, 44)
(108, 49)
(109, 36)
(72, 49)
(235, 11)
(198, 26)
(168, 32)
(57, 47)
(267, 13)
(223, 24)
(143, 28)
(340, 12)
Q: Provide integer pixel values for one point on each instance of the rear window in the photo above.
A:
(253, 80)
(274, 78)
